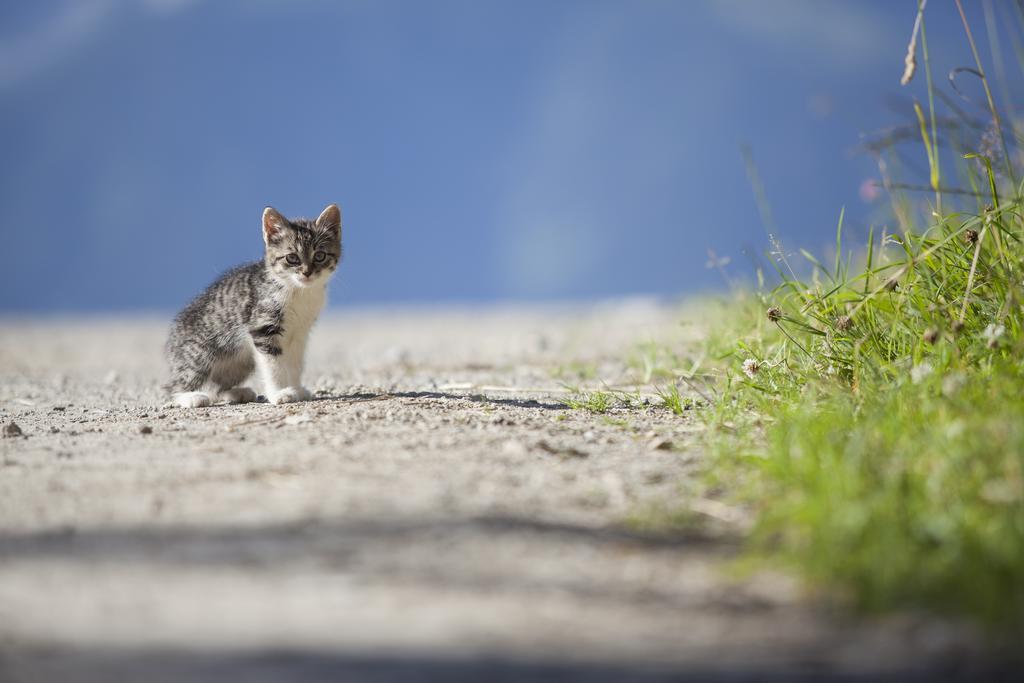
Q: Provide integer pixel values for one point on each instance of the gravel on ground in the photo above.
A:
(436, 512)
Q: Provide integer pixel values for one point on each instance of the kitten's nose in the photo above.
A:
(307, 271)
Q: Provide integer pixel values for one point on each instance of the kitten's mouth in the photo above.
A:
(302, 280)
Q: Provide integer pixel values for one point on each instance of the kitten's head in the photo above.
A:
(302, 252)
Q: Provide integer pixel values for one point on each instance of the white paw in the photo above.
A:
(290, 395)
(191, 399)
(238, 395)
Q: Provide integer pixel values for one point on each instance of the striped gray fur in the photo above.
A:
(256, 315)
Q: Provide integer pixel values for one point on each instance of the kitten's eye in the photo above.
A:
(319, 257)
(292, 259)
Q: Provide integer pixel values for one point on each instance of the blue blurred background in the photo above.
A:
(481, 151)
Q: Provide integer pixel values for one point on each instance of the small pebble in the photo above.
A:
(11, 429)
(565, 452)
(145, 429)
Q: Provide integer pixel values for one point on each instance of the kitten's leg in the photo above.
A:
(289, 395)
(277, 376)
(230, 371)
(188, 374)
(294, 358)
(275, 370)
(191, 399)
(183, 392)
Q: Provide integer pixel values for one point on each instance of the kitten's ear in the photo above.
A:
(330, 219)
(273, 224)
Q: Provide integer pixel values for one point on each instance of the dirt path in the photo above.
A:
(435, 513)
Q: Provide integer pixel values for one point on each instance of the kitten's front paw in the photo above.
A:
(191, 399)
(290, 395)
(238, 395)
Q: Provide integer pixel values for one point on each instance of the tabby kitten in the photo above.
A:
(257, 316)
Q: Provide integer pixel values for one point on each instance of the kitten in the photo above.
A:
(257, 316)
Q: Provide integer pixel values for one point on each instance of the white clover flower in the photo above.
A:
(920, 371)
(951, 383)
(751, 367)
(955, 428)
(992, 334)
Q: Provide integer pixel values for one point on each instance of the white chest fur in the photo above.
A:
(282, 373)
(300, 306)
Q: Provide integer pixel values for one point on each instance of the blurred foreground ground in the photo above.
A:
(436, 513)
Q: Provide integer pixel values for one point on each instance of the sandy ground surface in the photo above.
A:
(436, 513)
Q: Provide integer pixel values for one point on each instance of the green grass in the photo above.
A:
(871, 413)
(911, 497)
(592, 401)
(674, 401)
(882, 428)
(651, 361)
(602, 401)
(873, 416)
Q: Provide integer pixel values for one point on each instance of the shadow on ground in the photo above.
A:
(213, 544)
(441, 396)
(174, 666)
